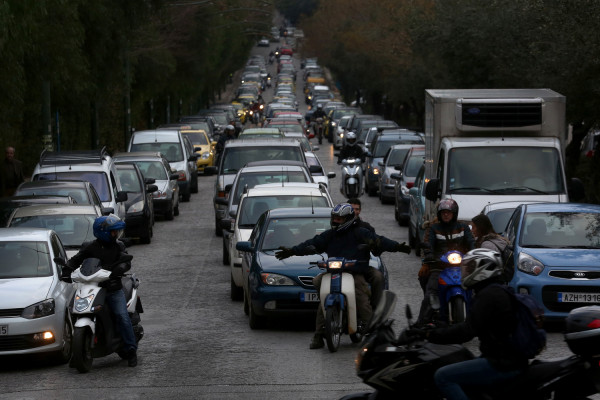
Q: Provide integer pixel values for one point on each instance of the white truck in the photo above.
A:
(490, 145)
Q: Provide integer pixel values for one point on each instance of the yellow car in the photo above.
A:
(241, 112)
(202, 146)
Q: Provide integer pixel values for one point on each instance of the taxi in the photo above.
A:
(202, 146)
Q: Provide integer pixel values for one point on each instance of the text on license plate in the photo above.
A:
(309, 297)
(3, 330)
(578, 297)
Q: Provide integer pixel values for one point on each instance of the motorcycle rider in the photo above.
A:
(343, 240)
(228, 134)
(108, 249)
(491, 318)
(445, 235)
(319, 113)
(351, 149)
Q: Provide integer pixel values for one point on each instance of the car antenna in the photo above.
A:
(311, 203)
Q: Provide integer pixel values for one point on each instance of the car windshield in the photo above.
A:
(561, 230)
(171, 150)
(289, 232)
(506, 170)
(129, 180)
(234, 158)
(251, 179)
(152, 169)
(253, 207)
(24, 260)
(414, 163)
(72, 229)
(98, 179)
(196, 138)
(80, 195)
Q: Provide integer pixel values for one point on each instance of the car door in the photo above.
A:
(249, 257)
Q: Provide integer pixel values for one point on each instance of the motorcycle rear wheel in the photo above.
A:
(333, 327)
(82, 350)
(458, 310)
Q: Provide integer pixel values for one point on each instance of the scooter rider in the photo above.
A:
(443, 236)
(343, 240)
(108, 249)
(351, 149)
(228, 134)
(319, 113)
(491, 318)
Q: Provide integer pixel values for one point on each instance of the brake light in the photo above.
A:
(221, 194)
(595, 324)
(410, 184)
(181, 176)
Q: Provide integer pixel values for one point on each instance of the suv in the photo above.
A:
(94, 166)
(405, 180)
(380, 145)
(238, 153)
(262, 198)
(178, 151)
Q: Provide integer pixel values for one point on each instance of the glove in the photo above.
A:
(424, 271)
(403, 248)
(284, 253)
(417, 333)
(65, 275)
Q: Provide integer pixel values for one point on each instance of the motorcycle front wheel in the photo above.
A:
(82, 349)
(458, 310)
(333, 327)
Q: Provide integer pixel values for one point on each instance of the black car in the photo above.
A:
(139, 217)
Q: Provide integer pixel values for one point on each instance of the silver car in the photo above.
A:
(33, 300)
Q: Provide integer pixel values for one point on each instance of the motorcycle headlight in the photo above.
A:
(529, 264)
(333, 124)
(335, 264)
(375, 171)
(136, 207)
(82, 303)
(454, 258)
(38, 310)
(276, 280)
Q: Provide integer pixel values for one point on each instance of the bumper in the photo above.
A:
(236, 270)
(282, 301)
(161, 206)
(387, 191)
(21, 331)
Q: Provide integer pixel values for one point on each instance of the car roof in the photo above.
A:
(241, 142)
(136, 155)
(156, 135)
(562, 207)
(258, 131)
(57, 209)
(25, 234)
(286, 188)
(504, 205)
(299, 212)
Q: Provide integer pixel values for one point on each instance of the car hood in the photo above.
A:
(295, 265)
(23, 292)
(566, 257)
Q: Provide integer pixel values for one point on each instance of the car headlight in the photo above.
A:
(206, 155)
(39, 310)
(529, 264)
(276, 280)
(333, 124)
(136, 207)
(82, 303)
(375, 171)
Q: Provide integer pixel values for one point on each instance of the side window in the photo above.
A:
(58, 250)
(95, 197)
(113, 184)
(513, 225)
(256, 231)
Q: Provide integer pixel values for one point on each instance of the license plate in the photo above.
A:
(3, 330)
(578, 297)
(309, 297)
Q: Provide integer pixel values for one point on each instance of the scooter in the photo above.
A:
(352, 178)
(403, 366)
(338, 301)
(95, 333)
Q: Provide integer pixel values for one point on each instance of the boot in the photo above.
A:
(317, 341)
(132, 360)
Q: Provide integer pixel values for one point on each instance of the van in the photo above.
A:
(94, 166)
(170, 143)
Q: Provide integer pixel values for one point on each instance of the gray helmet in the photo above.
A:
(345, 211)
(230, 128)
(450, 205)
(350, 138)
(479, 265)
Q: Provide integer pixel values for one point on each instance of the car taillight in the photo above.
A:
(410, 184)
(181, 176)
(221, 194)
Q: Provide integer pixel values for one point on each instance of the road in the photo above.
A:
(197, 342)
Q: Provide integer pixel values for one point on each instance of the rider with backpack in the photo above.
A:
(494, 318)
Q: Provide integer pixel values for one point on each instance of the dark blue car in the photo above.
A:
(275, 287)
(556, 255)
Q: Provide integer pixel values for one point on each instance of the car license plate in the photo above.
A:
(309, 297)
(3, 330)
(578, 297)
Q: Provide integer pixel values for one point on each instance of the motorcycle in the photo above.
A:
(338, 301)
(403, 366)
(352, 178)
(319, 129)
(453, 300)
(95, 334)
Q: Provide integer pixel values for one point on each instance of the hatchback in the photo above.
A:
(405, 179)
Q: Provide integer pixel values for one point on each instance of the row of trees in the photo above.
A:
(78, 66)
(391, 50)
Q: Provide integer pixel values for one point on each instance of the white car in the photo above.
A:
(255, 202)
(316, 169)
(33, 300)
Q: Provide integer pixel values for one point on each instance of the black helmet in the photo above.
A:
(480, 265)
(345, 211)
(450, 205)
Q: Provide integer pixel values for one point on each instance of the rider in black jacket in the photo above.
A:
(108, 249)
(351, 149)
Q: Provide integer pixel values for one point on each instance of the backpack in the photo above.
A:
(528, 338)
(508, 265)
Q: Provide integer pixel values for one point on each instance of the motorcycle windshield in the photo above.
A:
(90, 266)
(384, 309)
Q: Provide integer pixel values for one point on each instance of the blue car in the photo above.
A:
(273, 287)
(556, 255)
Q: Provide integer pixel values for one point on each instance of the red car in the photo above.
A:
(285, 50)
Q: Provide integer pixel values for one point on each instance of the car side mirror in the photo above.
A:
(174, 177)
(398, 167)
(193, 157)
(331, 175)
(197, 148)
(107, 210)
(121, 196)
(315, 169)
(244, 246)
(60, 261)
(396, 176)
(149, 181)
(432, 190)
(151, 188)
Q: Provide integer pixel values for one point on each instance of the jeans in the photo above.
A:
(118, 305)
(479, 371)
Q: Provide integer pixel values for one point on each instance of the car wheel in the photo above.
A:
(370, 191)
(396, 212)
(186, 196)
(195, 183)
(148, 237)
(255, 321)
(246, 303)
(236, 292)
(170, 212)
(63, 355)
(225, 254)
(411, 236)
(176, 210)
(218, 229)
(82, 349)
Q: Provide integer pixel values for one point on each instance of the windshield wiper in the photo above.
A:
(580, 247)
(537, 246)
(524, 188)
(474, 188)
(230, 170)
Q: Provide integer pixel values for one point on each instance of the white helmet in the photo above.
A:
(479, 265)
(350, 138)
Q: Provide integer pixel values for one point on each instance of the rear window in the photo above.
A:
(171, 150)
(98, 179)
(72, 229)
(260, 178)
(289, 232)
(253, 207)
(152, 169)
(78, 194)
(234, 158)
(196, 138)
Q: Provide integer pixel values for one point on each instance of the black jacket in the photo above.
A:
(492, 319)
(355, 151)
(442, 237)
